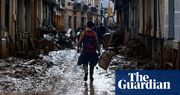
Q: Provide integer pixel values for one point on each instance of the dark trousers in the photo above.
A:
(85, 66)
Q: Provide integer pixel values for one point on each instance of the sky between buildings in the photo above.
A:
(105, 3)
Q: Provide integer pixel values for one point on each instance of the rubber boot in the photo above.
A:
(85, 71)
(85, 76)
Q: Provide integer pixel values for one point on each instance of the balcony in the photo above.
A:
(69, 3)
(93, 10)
(85, 7)
(77, 6)
(56, 2)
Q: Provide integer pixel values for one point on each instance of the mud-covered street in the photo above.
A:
(54, 74)
(45, 45)
(71, 82)
(57, 73)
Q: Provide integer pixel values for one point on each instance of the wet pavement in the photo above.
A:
(71, 82)
(54, 74)
(58, 74)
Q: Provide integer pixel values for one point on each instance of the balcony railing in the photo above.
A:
(53, 1)
(93, 10)
(85, 8)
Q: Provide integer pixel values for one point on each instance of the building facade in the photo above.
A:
(78, 12)
(17, 25)
(21, 20)
(156, 24)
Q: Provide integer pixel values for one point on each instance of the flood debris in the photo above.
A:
(49, 40)
(127, 63)
(134, 49)
(113, 38)
(53, 39)
(132, 57)
(30, 54)
(34, 75)
(105, 59)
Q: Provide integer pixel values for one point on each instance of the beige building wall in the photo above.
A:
(25, 26)
(163, 16)
(11, 30)
(95, 17)
(2, 20)
(152, 18)
(73, 17)
(147, 25)
(34, 17)
(69, 15)
(165, 25)
(140, 5)
(7, 19)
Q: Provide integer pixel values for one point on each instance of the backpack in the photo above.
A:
(89, 42)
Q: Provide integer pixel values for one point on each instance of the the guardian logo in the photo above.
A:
(138, 81)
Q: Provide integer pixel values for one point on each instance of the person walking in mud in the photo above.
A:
(89, 55)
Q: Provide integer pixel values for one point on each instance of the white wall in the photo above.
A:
(177, 20)
(166, 19)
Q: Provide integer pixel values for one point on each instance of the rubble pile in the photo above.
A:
(20, 74)
(34, 75)
(60, 40)
(134, 49)
(51, 39)
(49, 42)
(30, 54)
(133, 57)
(113, 38)
(123, 63)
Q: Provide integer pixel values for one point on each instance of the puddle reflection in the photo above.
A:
(86, 88)
(89, 88)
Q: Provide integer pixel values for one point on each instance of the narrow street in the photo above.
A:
(40, 41)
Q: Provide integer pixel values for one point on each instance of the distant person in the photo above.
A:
(78, 33)
(100, 32)
(88, 55)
